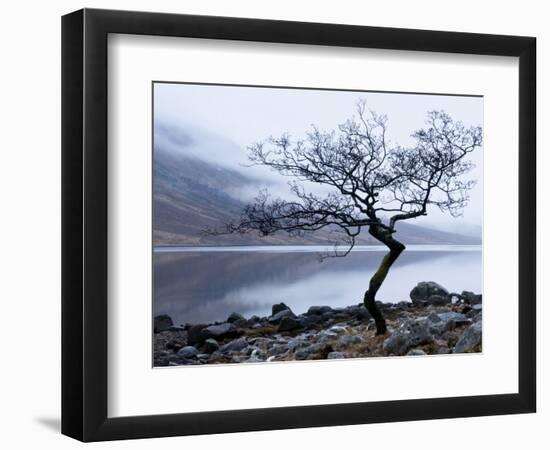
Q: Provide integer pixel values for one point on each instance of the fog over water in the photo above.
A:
(195, 286)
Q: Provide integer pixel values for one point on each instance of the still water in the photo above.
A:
(206, 284)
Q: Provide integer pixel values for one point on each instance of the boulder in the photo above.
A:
(347, 340)
(194, 334)
(262, 343)
(310, 321)
(425, 290)
(218, 332)
(162, 322)
(234, 316)
(336, 355)
(277, 317)
(278, 307)
(296, 343)
(471, 298)
(210, 346)
(188, 352)
(318, 310)
(475, 310)
(234, 346)
(439, 300)
(411, 334)
(470, 339)
(289, 324)
(314, 351)
(441, 322)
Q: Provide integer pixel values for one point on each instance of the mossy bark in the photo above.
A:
(396, 248)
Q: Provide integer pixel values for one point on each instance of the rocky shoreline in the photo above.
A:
(434, 322)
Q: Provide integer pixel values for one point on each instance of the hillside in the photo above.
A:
(191, 195)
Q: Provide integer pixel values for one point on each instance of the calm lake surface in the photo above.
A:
(206, 284)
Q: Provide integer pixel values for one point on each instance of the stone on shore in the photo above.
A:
(188, 352)
(411, 334)
(278, 307)
(429, 293)
(470, 339)
(234, 317)
(289, 324)
(277, 317)
(222, 331)
(318, 310)
(162, 322)
(194, 334)
(210, 345)
(234, 346)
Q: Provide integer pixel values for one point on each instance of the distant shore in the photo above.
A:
(435, 322)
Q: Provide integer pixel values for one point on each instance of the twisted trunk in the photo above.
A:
(396, 248)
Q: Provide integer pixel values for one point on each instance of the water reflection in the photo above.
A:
(205, 286)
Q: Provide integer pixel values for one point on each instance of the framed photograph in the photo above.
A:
(272, 224)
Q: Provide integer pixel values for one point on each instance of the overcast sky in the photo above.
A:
(227, 119)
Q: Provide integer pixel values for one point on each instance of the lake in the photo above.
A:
(206, 284)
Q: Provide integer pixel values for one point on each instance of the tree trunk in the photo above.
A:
(396, 248)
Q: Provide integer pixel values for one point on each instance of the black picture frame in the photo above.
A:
(84, 224)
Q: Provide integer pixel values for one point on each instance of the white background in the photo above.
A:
(135, 389)
(30, 237)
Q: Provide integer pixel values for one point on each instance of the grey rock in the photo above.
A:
(439, 300)
(188, 352)
(234, 346)
(175, 344)
(314, 351)
(210, 345)
(276, 318)
(425, 290)
(348, 340)
(293, 344)
(310, 321)
(453, 319)
(471, 298)
(234, 316)
(221, 331)
(470, 339)
(336, 355)
(279, 349)
(262, 343)
(194, 334)
(278, 307)
(359, 312)
(289, 324)
(242, 323)
(162, 323)
(318, 310)
(411, 334)
(475, 310)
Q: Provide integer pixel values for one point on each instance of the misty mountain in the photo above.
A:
(191, 195)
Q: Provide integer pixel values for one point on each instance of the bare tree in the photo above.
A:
(370, 184)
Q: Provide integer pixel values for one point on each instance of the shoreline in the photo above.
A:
(436, 322)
